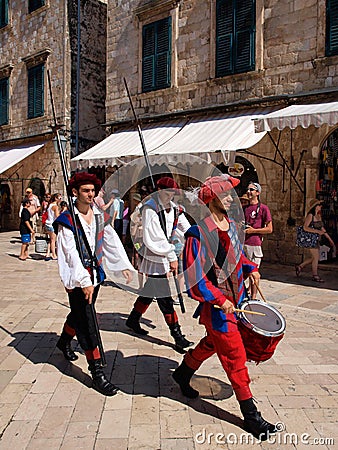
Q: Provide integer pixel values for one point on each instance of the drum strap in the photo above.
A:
(216, 249)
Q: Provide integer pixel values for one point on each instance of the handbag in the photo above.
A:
(305, 239)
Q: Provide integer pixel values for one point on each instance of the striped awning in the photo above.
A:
(198, 135)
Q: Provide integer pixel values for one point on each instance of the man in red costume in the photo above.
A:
(215, 269)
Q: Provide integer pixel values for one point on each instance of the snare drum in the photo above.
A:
(260, 334)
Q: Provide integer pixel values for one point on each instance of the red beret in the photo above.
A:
(81, 178)
(167, 183)
(215, 186)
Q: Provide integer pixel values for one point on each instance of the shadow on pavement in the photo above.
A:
(147, 375)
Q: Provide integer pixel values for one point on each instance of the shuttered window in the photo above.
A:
(35, 4)
(156, 55)
(36, 91)
(4, 101)
(3, 13)
(235, 36)
(331, 27)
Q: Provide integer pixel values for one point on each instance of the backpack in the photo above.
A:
(136, 230)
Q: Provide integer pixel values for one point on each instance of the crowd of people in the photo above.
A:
(214, 266)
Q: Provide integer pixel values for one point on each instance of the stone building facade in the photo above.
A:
(38, 38)
(292, 65)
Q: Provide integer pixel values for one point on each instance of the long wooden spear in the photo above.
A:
(146, 157)
(72, 213)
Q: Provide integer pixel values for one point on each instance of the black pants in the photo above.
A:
(81, 320)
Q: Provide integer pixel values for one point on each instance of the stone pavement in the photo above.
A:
(47, 403)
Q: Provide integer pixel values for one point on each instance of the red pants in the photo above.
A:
(231, 353)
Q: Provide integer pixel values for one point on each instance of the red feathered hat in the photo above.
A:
(81, 178)
(167, 183)
(215, 186)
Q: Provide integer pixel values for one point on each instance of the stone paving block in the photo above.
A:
(313, 390)
(46, 382)
(177, 444)
(111, 444)
(114, 424)
(175, 423)
(65, 394)
(89, 407)
(324, 368)
(43, 444)
(292, 401)
(144, 437)
(54, 422)
(144, 411)
(14, 393)
(81, 429)
(85, 443)
(32, 407)
(322, 415)
(18, 434)
(7, 411)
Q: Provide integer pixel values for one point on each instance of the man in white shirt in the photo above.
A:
(82, 275)
(160, 218)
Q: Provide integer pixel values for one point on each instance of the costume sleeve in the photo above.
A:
(115, 256)
(183, 223)
(153, 236)
(248, 266)
(198, 285)
(71, 269)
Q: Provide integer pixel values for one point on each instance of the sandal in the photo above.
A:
(298, 270)
(317, 279)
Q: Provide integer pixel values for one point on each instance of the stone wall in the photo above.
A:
(290, 55)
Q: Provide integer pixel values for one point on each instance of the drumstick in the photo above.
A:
(244, 311)
(257, 286)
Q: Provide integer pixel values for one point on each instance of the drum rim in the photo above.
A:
(246, 320)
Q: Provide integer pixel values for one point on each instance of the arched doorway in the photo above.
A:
(38, 187)
(5, 205)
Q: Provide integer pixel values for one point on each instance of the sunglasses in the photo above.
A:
(251, 189)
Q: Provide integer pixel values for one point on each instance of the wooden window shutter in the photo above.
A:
(331, 27)
(36, 91)
(4, 101)
(156, 55)
(235, 36)
(35, 4)
(3, 13)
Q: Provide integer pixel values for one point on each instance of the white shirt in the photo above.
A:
(71, 269)
(158, 251)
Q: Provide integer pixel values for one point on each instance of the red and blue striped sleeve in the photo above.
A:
(199, 287)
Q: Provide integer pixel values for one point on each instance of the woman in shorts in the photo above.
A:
(53, 211)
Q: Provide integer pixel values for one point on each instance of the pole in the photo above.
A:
(146, 157)
(72, 213)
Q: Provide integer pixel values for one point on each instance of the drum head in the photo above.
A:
(271, 324)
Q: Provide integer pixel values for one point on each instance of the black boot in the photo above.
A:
(182, 376)
(63, 344)
(254, 422)
(133, 322)
(100, 382)
(180, 340)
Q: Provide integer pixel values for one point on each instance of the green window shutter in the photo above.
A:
(235, 36)
(156, 55)
(4, 101)
(331, 27)
(3, 13)
(36, 91)
(35, 4)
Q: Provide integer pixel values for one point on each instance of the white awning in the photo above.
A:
(199, 135)
(10, 156)
(299, 115)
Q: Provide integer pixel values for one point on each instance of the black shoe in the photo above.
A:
(254, 422)
(180, 341)
(133, 322)
(100, 382)
(182, 376)
(64, 345)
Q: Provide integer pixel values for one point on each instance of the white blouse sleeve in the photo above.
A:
(153, 236)
(71, 269)
(114, 253)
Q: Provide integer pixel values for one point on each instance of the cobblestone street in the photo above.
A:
(47, 403)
